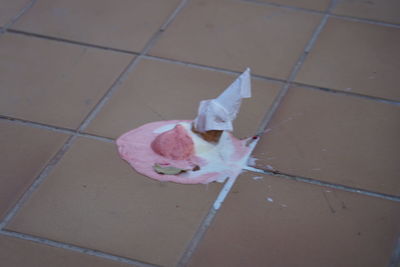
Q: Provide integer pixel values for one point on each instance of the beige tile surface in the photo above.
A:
(21, 253)
(24, 153)
(320, 5)
(52, 82)
(355, 57)
(381, 10)
(94, 199)
(234, 35)
(164, 91)
(277, 222)
(9, 9)
(335, 138)
(119, 24)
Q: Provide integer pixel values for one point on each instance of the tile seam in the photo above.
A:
(19, 15)
(211, 68)
(131, 66)
(350, 94)
(294, 8)
(68, 41)
(37, 182)
(197, 238)
(367, 21)
(312, 11)
(324, 184)
(53, 128)
(295, 69)
(70, 247)
(144, 56)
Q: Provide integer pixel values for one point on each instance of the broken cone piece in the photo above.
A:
(174, 144)
(219, 113)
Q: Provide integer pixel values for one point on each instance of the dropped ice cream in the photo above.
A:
(177, 151)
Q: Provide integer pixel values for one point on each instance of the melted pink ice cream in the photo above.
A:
(145, 146)
(174, 144)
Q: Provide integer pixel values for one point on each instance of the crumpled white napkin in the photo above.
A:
(219, 113)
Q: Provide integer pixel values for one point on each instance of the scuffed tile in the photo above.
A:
(119, 24)
(24, 153)
(235, 35)
(21, 253)
(355, 57)
(303, 225)
(158, 90)
(94, 199)
(51, 82)
(335, 138)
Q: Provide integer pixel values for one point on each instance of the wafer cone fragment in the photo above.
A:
(216, 115)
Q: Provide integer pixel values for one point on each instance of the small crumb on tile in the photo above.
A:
(256, 178)
(270, 199)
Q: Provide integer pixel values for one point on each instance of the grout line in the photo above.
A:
(351, 94)
(37, 125)
(20, 14)
(325, 184)
(365, 20)
(104, 99)
(54, 128)
(68, 41)
(87, 251)
(395, 258)
(210, 68)
(307, 10)
(128, 69)
(144, 56)
(172, 17)
(283, 6)
(191, 248)
(38, 181)
(278, 100)
(96, 137)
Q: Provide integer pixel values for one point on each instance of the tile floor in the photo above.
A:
(322, 185)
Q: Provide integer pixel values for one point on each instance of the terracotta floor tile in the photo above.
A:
(334, 138)
(24, 153)
(234, 35)
(356, 57)
(276, 222)
(94, 199)
(154, 89)
(21, 253)
(119, 24)
(381, 10)
(52, 82)
(9, 9)
(320, 5)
